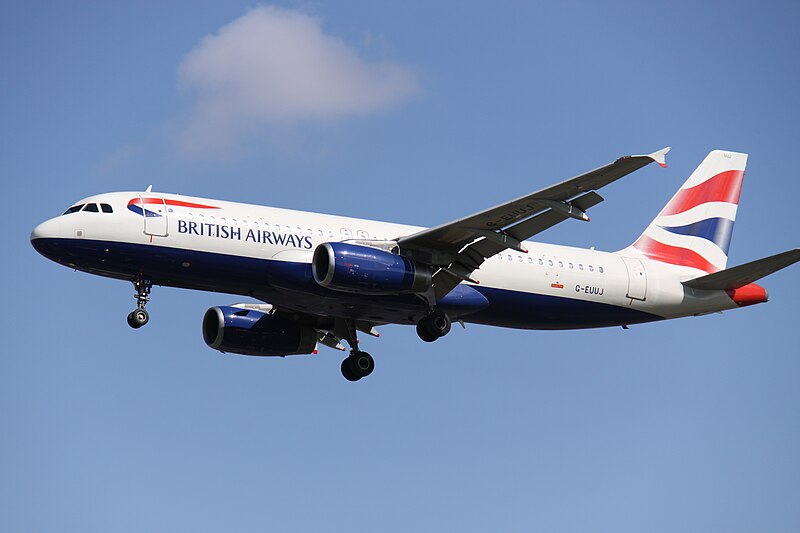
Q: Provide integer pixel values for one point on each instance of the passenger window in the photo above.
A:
(541, 262)
(580, 266)
(549, 262)
(560, 264)
(106, 208)
(346, 234)
(73, 209)
(91, 208)
(600, 269)
(361, 234)
(530, 260)
(571, 266)
(591, 268)
(520, 258)
(509, 257)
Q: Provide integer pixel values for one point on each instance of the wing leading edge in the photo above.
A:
(459, 247)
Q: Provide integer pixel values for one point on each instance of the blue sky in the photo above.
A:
(442, 110)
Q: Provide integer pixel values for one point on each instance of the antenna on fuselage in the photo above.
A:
(149, 188)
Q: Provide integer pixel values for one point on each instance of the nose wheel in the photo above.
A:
(139, 316)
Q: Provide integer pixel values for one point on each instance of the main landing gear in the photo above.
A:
(358, 364)
(139, 317)
(433, 326)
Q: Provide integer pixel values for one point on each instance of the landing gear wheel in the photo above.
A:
(362, 363)
(347, 371)
(358, 365)
(440, 323)
(138, 318)
(424, 333)
(433, 326)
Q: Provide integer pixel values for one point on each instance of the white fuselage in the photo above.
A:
(235, 230)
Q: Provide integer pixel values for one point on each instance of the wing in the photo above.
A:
(459, 247)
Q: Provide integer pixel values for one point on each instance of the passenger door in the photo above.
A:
(155, 215)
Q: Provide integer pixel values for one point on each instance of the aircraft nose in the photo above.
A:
(43, 235)
(49, 229)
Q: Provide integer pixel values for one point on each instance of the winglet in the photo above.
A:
(660, 156)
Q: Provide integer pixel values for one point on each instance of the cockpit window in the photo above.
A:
(91, 208)
(106, 208)
(73, 209)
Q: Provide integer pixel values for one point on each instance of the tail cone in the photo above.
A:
(748, 295)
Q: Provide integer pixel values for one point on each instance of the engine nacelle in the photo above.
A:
(360, 269)
(252, 332)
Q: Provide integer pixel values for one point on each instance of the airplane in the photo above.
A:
(323, 279)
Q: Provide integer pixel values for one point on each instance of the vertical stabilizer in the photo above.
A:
(694, 229)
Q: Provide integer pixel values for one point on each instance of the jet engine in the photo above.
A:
(361, 269)
(237, 329)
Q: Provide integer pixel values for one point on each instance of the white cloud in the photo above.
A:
(275, 67)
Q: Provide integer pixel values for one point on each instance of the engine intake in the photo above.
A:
(360, 269)
(251, 332)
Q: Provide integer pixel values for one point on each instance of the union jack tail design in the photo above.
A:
(694, 229)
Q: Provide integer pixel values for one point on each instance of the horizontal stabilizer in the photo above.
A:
(739, 276)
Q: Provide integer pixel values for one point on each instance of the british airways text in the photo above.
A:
(204, 229)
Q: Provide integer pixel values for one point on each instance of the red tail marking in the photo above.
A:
(724, 187)
(673, 255)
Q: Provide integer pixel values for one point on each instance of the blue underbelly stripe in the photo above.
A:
(525, 310)
(292, 285)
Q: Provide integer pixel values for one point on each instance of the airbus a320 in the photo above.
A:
(323, 279)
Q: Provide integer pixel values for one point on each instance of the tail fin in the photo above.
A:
(694, 229)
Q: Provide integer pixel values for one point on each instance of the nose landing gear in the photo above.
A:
(139, 317)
